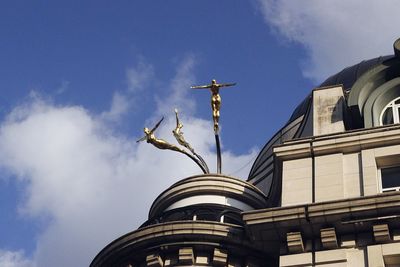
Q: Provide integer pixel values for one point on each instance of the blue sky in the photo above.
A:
(80, 79)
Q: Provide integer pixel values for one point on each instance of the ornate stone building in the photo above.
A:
(324, 191)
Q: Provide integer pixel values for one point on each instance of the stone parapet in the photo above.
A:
(181, 242)
(209, 189)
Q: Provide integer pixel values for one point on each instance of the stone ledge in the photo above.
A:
(353, 206)
(327, 221)
(350, 141)
(179, 232)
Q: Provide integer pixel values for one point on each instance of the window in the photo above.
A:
(391, 113)
(390, 179)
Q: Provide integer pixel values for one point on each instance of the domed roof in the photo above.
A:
(346, 77)
(362, 77)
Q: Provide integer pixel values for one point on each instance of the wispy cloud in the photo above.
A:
(120, 105)
(63, 87)
(14, 259)
(335, 34)
(139, 76)
(179, 88)
(78, 170)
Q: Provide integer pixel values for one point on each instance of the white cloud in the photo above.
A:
(63, 87)
(335, 34)
(139, 76)
(120, 105)
(14, 259)
(179, 89)
(93, 183)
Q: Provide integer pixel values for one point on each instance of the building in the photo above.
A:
(324, 191)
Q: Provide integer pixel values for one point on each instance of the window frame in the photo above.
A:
(395, 111)
(380, 183)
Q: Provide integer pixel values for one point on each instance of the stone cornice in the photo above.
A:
(308, 218)
(180, 232)
(351, 141)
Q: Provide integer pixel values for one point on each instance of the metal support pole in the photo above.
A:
(219, 163)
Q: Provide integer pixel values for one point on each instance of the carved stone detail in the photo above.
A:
(220, 257)
(295, 242)
(154, 260)
(328, 238)
(381, 233)
(186, 256)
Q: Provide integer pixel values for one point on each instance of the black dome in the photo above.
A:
(347, 77)
(262, 173)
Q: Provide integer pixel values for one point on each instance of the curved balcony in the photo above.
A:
(204, 239)
(209, 189)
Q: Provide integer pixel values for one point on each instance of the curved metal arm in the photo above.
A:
(178, 134)
(162, 144)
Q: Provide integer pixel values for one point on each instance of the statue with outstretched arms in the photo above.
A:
(215, 99)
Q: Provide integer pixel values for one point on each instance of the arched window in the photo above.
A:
(391, 113)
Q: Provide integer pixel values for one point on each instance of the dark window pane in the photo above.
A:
(232, 220)
(398, 113)
(206, 215)
(390, 177)
(387, 117)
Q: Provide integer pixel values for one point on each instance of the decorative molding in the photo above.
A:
(186, 256)
(328, 238)
(154, 260)
(346, 215)
(295, 242)
(220, 257)
(367, 206)
(350, 141)
(381, 233)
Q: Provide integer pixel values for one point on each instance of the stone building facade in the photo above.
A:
(324, 191)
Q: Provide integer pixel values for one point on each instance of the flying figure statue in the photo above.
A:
(179, 134)
(159, 143)
(215, 99)
(181, 140)
(162, 144)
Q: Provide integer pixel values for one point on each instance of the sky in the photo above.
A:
(80, 79)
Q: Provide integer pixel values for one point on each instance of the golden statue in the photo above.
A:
(159, 143)
(215, 99)
(181, 140)
(162, 144)
(179, 134)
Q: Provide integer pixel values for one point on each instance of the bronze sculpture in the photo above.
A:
(179, 134)
(162, 144)
(159, 143)
(215, 99)
(181, 140)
